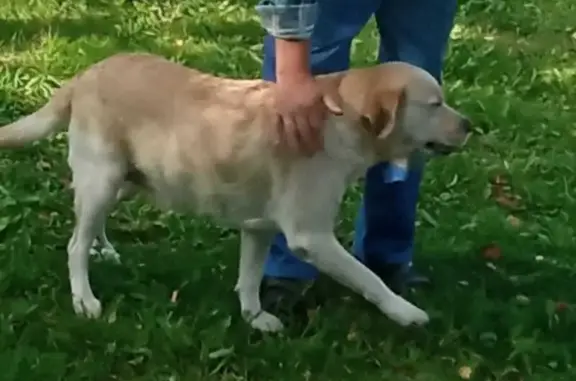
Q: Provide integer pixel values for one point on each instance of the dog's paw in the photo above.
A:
(267, 322)
(94, 251)
(110, 254)
(106, 254)
(89, 307)
(405, 313)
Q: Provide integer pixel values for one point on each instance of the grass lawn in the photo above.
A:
(511, 66)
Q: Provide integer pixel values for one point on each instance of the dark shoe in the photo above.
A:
(291, 299)
(399, 277)
(288, 299)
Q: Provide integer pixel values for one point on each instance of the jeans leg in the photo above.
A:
(338, 23)
(416, 32)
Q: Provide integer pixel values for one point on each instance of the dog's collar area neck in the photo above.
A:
(394, 173)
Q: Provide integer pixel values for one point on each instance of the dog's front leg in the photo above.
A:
(253, 250)
(327, 254)
(306, 213)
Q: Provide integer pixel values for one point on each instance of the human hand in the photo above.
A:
(301, 113)
(301, 104)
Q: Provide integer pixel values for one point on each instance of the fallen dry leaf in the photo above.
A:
(499, 180)
(561, 306)
(491, 252)
(465, 372)
(508, 201)
(501, 193)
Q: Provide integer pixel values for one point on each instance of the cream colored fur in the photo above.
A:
(204, 144)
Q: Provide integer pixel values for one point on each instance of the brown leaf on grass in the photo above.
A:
(508, 201)
(499, 180)
(491, 252)
(561, 306)
(465, 372)
(501, 192)
(498, 186)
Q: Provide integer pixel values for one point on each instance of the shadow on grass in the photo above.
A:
(217, 47)
(22, 33)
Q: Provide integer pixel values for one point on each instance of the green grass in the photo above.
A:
(511, 67)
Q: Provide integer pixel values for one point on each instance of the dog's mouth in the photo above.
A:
(439, 148)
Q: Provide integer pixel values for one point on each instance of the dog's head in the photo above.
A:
(404, 111)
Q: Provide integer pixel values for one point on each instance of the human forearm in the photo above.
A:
(292, 59)
(291, 23)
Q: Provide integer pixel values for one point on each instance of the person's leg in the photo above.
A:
(416, 32)
(339, 21)
(286, 278)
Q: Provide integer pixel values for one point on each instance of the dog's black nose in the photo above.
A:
(466, 125)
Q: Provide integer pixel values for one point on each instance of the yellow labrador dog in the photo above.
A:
(201, 143)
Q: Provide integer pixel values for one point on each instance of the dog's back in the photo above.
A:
(198, 142)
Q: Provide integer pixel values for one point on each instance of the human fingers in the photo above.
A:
(307, 135)
(290, 133)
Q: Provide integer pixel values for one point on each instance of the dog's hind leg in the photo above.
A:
(254, 247)
(96, 184)
(103, 248)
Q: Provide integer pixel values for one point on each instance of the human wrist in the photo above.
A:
(292, 60)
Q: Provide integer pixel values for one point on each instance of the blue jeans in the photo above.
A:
(413, 31)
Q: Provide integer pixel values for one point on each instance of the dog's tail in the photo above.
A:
(53, 116)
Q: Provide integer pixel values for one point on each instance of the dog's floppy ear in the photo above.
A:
(379, 112)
